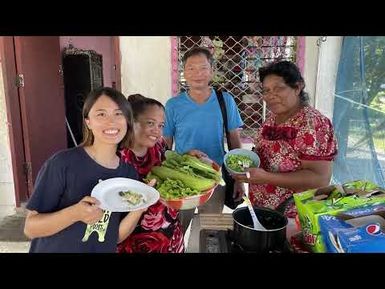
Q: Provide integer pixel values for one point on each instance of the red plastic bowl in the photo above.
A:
(189, 202)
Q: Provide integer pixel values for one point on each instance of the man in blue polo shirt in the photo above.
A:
(194, 121)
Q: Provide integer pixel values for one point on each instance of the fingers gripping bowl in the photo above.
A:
(185, 182)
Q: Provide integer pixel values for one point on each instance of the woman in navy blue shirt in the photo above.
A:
(62, 216)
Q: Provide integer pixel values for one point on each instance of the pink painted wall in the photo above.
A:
(102, 45)
(174, 65)
(301, 53)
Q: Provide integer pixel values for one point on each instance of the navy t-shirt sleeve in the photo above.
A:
(49, 187)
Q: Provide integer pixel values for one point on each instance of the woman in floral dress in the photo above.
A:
(158, 229)
(296, 143)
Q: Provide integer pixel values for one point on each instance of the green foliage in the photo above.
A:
(374, 59)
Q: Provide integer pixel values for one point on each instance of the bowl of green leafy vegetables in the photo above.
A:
(237, 161)
(184, 181)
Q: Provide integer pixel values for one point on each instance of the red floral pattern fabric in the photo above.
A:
(308, 135)
(159, 229)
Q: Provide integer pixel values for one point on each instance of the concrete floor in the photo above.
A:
(14, 247)
(12, 238)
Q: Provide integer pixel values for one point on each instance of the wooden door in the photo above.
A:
(41, 95)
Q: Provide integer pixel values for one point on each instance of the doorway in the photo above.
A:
(83, 72)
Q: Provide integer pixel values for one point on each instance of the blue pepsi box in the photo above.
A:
(360, 230)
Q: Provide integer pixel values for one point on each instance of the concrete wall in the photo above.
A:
(321, 67)
(7, 190)
(146, 66)
(101, 44)
(329, 55)
(311, 64)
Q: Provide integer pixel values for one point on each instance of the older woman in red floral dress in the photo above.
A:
(158, 229)
(296, 143)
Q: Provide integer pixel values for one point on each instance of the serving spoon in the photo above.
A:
(257, 225)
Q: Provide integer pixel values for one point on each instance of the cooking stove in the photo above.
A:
(222, 241)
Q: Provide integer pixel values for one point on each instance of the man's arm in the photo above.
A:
(169, 142)
(235, 139)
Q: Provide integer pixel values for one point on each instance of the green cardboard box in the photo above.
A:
(332, 200)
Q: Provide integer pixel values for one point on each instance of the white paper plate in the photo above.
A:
(107, 192)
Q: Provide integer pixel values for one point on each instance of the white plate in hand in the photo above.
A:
(107, 192)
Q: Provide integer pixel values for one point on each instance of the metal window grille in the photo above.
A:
(236, 63)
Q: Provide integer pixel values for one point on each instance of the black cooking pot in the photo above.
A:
(249, 239)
